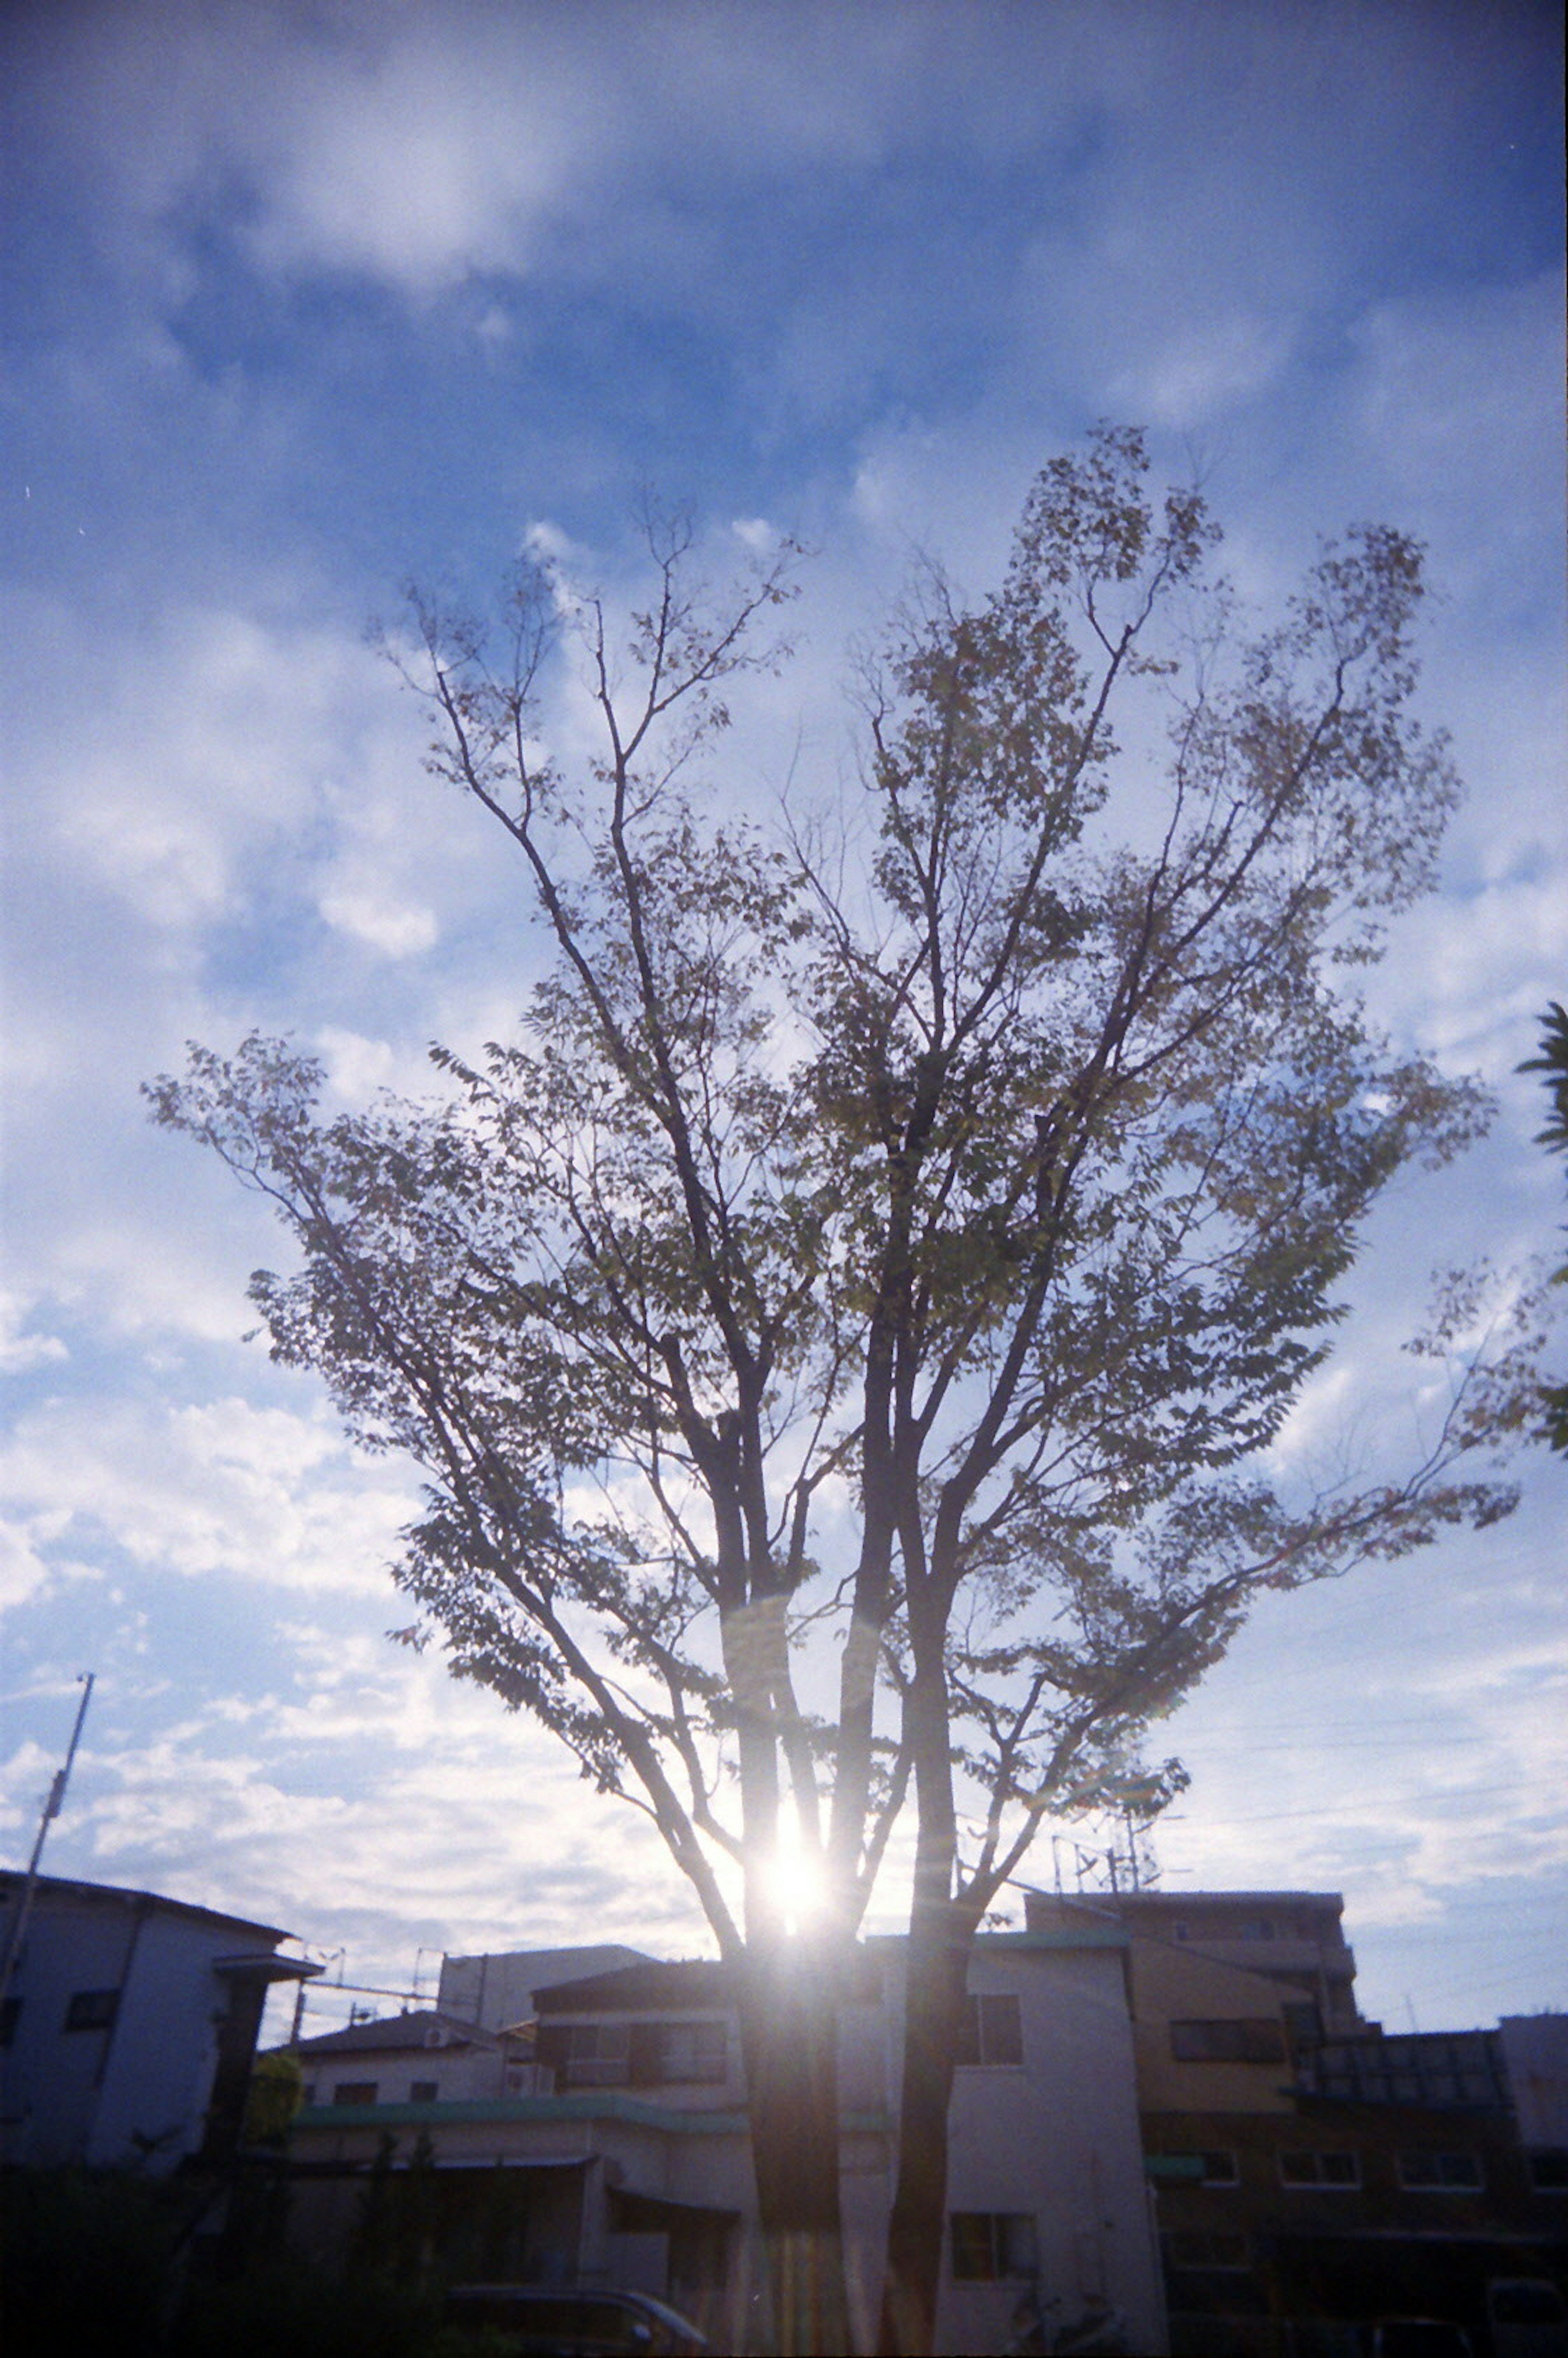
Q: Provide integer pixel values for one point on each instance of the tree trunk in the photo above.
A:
(789, 2028)
(934, 2005)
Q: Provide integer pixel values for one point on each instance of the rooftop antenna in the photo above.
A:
(51, 1810)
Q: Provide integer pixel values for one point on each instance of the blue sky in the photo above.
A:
(300, 301)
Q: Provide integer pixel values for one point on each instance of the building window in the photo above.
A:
(1337, 2170)
(1253, 1928)
(354, 2091)
(587, 2054)
(680, 2052)
(1250, 2040)
(990, 2245)
(990, 2031)
(423, 2091)
(307, 2093)
(1206, 2247)
(635, 2054)
(92, 2010)
(1549, 2169)
(10, 2012)
(1441, 2173)
(1214, 2168)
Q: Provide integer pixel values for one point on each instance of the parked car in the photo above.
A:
(542, 2321)
(1418, 2337)
(1526, 2318)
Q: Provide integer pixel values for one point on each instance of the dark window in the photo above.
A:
(1549, 2169)
(990, 2245)
(1214, 2168)
(1250, 2040)
(693, 2051)
(665, 2054)
(1442, 2173)
(10, 2011)
(1206, 2247)
(1301, 2168)
(308, 2093)
(92, 2010)
(1303, 2022)
(423, 2091)
(990, 2031)
(587, 2054)
(354, 2091)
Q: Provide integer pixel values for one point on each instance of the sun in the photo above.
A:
(796, 1878)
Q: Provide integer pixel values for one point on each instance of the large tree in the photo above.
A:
(844, 1330)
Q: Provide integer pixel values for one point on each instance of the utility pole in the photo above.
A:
(51, 1810)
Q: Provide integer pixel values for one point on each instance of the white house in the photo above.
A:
(421, 2057)
(128, 2029)
(620, 2153)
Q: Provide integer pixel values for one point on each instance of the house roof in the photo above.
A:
(1180, 1902)
(659, 1985)
(398, 2034)
(66, 1888)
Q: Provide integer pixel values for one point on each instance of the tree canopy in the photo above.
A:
(845, 1330)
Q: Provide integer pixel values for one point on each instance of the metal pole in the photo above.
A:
(51, 1810)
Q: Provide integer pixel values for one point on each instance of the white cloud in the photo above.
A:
(426, 161)
(193, 745)
(397, 931)
(222, 1487)
(24, 1571)
(1196, 376)
(495, 326)
(1316, 1421)
(356, 1067)
(20, 1349)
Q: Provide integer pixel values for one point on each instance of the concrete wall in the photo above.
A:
(1172, 1984)
(1535, 2048)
